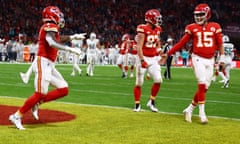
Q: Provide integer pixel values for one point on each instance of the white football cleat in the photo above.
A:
(203, 119)
(35, 111)
(151, 106)
(24, 77)
(137, 108)
(73, 74)
(221, 81)
(226, 83)
(16, 121)
(214, 78)
(80, 73)
(187, 115)
(131, 75)
(91, 74)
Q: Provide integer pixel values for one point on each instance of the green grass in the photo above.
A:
(109, 125)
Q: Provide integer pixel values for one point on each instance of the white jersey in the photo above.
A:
(2, 48)
(92, 46)
(228, 49)
(19, 47)
(33, 47)
(229, 54)
(77, 43)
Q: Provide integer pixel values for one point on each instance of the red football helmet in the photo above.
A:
(53, 13)
(125, 37)
(153, 16)
(202, 13)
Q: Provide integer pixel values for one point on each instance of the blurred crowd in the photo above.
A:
(109, 19)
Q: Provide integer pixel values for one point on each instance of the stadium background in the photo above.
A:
(110, 19)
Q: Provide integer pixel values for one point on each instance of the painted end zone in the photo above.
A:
(45, 116)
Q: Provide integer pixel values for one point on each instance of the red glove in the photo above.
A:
(144, 64)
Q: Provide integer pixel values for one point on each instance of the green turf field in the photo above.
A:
(106, 124)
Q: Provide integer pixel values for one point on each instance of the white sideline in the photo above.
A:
(116, 107)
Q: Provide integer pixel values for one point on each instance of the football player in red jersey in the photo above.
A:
(148, 42)
(122, 60)
(133, 55)
(45, 72)
(206, 38)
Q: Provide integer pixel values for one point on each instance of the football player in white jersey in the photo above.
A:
(112, 55)
(33, 48)
(2, 49)
(77, 44)
(92, 45)
(224, 73)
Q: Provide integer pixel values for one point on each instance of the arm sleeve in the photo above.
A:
(180, 44)
(53, 43)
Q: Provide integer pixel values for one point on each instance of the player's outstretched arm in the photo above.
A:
(52, 42)
(180, 44)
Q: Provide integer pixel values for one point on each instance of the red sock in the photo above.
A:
(206, 90)
(224, 72)
(137, 94)
(55, 94)
(195, 99)
(155, 89)
(132, 68)
(30, 102)
(126, 68)
(201, 93)
(120, 66)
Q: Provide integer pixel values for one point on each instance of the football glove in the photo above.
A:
(144, 64)
(78, 36)
(73, 50)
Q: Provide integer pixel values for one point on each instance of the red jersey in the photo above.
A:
(151, 39)
(124, 47)
(44, 49)
(206, 39)
(133, 47)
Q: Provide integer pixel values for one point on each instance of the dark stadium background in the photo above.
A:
(110, 19)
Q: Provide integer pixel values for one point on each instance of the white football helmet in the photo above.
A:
(169, 39)
(92, 36)
(225, 38)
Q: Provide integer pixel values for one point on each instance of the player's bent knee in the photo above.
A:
(158, 80)
(62, 84)
(139, 83)
(64, 91)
